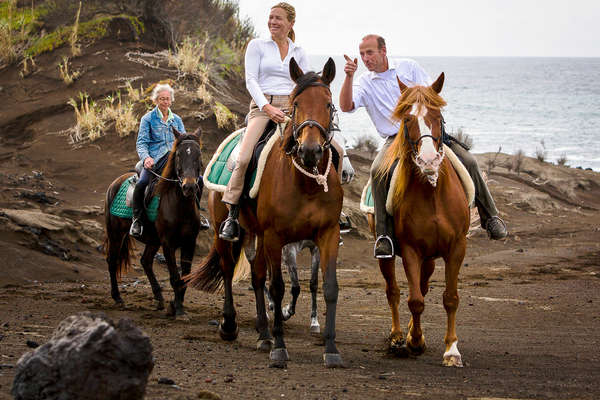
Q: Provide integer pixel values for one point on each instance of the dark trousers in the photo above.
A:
(483, 198)
(384, 224)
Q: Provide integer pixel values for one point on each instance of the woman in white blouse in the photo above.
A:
(269, 83)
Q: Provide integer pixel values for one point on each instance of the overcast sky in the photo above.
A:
(566, 28)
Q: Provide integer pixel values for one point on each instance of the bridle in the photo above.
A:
(414, 143)
(326, 132)
(179, 179)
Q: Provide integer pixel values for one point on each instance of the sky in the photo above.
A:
(501, 28)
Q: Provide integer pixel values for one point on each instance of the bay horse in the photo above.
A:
(431, 217)
(176, 226)
(300, 197)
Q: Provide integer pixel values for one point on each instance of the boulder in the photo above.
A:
(87, 357)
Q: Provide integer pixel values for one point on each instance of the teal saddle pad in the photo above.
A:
(119, 208)
(219, 174)
(367, 203)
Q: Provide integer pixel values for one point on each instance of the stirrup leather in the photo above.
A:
(384, 237)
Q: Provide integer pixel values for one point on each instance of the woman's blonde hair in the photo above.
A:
(291, 16)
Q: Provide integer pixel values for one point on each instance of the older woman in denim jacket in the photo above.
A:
(154, 142)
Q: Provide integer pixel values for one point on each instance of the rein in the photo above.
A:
(176, 171)
(321, 179)
(415, 143)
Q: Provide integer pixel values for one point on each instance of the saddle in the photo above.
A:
(367, 203)
(221, 166)
(149, 192)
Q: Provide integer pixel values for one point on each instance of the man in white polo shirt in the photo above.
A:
(378, 92)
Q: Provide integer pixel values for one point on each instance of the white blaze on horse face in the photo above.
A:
(427, 152)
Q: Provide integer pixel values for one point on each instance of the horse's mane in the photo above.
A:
(169, 171)
(423, 96)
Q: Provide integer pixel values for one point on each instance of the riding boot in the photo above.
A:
(137, 224)
(230, 228)
(384, 245)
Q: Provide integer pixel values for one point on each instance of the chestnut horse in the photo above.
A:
(176, 226)
(290, 206)
(431, 217)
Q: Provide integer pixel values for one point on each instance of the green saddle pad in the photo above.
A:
(218, 174)
(367, 204)
(119, 208)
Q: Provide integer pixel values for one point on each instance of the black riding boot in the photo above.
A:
(230, 228)
(137, 224)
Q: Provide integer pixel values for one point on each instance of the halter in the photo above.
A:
(176, 171)
(327, 133)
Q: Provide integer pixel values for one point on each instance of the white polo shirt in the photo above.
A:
(267, 73)
(379, 92)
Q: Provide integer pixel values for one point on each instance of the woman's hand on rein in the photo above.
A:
(274, 113)
(148, 162)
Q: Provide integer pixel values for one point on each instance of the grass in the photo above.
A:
(28, 65)
(517, 161)
(225, 118)
(189, 56)
(67, 77)
(562, 160)
(75, 48)
(89, 122)
(540, 152)
(202, 93)
(18, 28)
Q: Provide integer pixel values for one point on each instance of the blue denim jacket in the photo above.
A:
(155, 137)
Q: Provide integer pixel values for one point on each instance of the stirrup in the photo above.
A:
(384, 237)
(133, 222)
(234, 237)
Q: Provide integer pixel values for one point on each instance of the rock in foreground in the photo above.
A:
(88, 357)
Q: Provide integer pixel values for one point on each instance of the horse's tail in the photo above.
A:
(118, 247)
(242, 268)
(208, 276)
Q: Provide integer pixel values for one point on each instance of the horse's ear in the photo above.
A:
(295, 71)
(197, 132)
(402, 86)
(438, 84)
(328, 72)
(176, 133)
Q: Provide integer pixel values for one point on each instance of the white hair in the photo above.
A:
(161, 87)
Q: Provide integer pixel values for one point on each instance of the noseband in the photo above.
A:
(179, 179)
(327, 133)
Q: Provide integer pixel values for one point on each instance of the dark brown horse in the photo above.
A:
(290, 206)
(176, 226)
(431, 217)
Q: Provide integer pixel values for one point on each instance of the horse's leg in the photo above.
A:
(272, 249)
(397, 345)
(288, 258)
(175, 306)
(452, 357)
(328, 248)
(314, 286)
(229, 329)
(147, 260)
(415, 340)
(187, 255)
(259, 275)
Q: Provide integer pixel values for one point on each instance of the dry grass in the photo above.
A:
(134, 95)
(121, 114)
(75, 49)
(491, 162)
(8, 51)
(540, 152)
(188, 58)
(204, 94)
(464, 138)
(562, 160)
(89, 122)
(27, 67)
(225, 118)
(63, 69)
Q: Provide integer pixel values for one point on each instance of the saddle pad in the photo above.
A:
(119, 208)
(217, 174)
(367, 203)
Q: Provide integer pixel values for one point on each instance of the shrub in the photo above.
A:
(188, 58)
(225, 118)
(562, 160)
(204, 94)
(491, 162)
(540, 152)
(464, 138)
(517, 161)
(367, 144)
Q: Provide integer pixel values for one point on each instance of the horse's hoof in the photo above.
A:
(119, 303)
(418, 349)
(315, 328)
(264, 345)
(280, 354)
(159, 305)
(287, 313)
(278, 364)
(228, 336)
(171, 309)
(453, 361)
(397, 348)
(182, 316)
(333, 360)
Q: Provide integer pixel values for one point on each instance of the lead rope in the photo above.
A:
(321, 179)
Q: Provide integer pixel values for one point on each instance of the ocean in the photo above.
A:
(511, 104)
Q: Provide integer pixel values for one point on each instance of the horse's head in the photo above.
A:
(185, 163)
(419, 110)
(312, 114)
